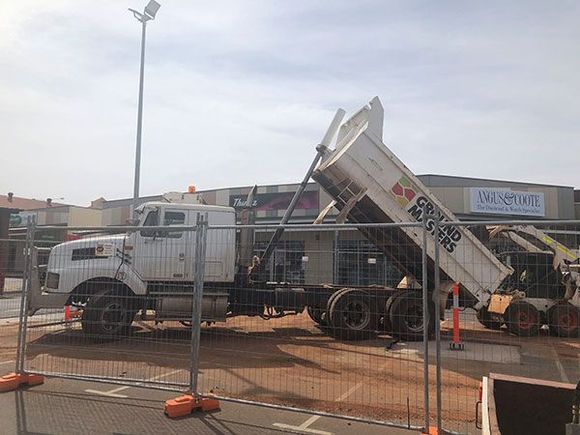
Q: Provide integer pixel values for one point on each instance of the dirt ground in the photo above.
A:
(291, 361)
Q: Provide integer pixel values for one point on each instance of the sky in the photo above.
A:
(239, 92)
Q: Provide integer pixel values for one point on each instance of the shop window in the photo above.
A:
(286, 263)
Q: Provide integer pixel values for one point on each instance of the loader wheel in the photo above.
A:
(488, 320)
(107, 316)
(565, 320)
(318, 315)
(353, 316)
(406, 316)
(522, 319)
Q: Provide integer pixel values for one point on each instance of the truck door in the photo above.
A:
(160, 255)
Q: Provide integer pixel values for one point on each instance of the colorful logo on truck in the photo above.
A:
(403, 191)
(406, 195)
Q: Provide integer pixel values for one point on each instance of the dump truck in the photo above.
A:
(368, 183)
(150, 268)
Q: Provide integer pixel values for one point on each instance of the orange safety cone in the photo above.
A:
(71, 313)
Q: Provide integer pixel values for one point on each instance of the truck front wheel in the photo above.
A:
(107, 316)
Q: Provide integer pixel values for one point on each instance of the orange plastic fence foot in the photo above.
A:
(208, 404)
(185, 405)
(12, 381)
(431, 431)
(9, 382)
(32, 380)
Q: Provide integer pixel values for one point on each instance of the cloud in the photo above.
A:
(238, 93)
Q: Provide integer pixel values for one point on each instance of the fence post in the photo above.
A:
(436, 296)
(199, 275)
(20, 377)
(24, 297)
(426, 323)
(186, 404)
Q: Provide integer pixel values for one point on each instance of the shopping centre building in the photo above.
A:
(346, 257)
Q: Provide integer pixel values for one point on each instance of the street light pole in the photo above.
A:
(148, 14)
(139, 116)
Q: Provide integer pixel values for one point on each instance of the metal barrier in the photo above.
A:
(106, 334)
(332, 322)
(11, 267)
(536, 335)
(324, 341)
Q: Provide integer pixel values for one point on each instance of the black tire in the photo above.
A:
(564, 320)
(333, 297)
(353, 315)
(107, 316)
(318, 315)
(522, 319)
(489, 320)
(406, 316)
(386, 324)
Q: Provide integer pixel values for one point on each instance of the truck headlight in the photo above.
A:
(52, 280)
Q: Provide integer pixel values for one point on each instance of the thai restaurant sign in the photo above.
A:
(505, 201)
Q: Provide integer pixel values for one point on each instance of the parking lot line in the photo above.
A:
(304, 426)
(563, 374)
(6, 362)
(114, 391)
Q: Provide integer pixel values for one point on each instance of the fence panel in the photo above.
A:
(11, 273)
(109, 326)
(273, 350)
(333, 321)
(536, 337)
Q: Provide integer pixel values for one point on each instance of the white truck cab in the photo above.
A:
(168, 256)
(145, 262)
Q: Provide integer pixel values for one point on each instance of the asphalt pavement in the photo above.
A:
(64, 406)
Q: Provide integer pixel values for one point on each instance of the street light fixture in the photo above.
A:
(148, 14)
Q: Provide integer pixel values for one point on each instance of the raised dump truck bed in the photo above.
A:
(370, 184)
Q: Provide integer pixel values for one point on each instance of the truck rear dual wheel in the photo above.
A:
(318, 315)
(522, 319)
(352, 314)
(405, 313)
(107, 316)
(564, 320)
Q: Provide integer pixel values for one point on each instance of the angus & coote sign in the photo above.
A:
(505, 201)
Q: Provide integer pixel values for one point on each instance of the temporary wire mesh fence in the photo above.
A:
(308, 327)
(332, 321)
(12, 263)
(529, 329)
(112, 327)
